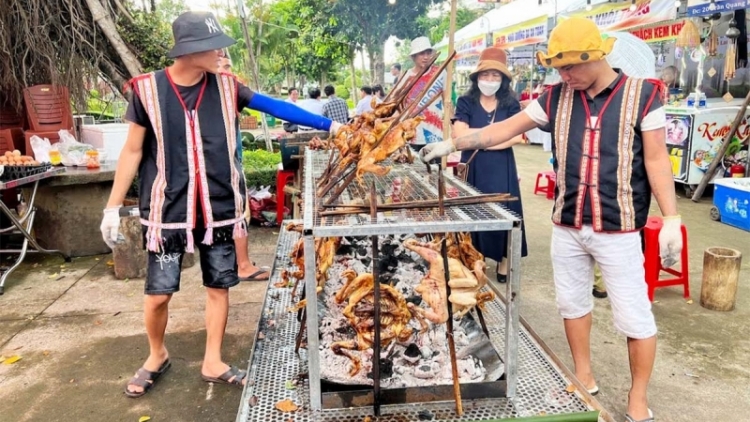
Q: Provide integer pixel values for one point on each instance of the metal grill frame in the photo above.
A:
(541, 385)
(315, 162)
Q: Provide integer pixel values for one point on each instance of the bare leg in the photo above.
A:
(155, 315)
(502, 266)
(217, 311)
(244, 264)
(578, 332)
(642, 353)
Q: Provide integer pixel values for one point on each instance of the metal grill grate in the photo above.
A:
(416, 184)
(541, 386)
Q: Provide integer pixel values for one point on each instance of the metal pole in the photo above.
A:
(253, 70)
(448, 90)
(376, 303)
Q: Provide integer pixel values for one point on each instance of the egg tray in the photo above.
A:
(18, 172)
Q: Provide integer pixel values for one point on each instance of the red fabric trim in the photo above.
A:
(659, 88)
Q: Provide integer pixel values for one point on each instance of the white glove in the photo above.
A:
(111, 226)
(670, 240)
(335, 127)
(435, 150)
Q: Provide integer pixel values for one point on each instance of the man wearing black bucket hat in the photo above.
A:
(182, 142)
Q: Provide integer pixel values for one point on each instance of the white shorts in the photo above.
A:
(620, 258)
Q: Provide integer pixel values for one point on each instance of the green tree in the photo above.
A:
(436, 28)
(369, 24)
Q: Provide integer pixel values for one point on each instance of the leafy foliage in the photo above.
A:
(149, 35)
(260, 167)
(436, 28)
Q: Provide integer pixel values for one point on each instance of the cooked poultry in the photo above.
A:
(469, 254)
(466, 294)
(360, 311)
(395, 139)
(432, 287)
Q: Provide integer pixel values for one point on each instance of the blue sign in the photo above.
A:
(706, 8)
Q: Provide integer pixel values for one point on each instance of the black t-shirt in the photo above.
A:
(137, 114)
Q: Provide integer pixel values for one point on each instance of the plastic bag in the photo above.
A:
(72, 152)
(41, 148)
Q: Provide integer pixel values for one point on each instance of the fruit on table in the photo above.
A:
(14, 158)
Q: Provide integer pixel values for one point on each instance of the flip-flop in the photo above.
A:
(594, 390)
(650, 417)
(254, 276)
(146, 379)
(224, 378)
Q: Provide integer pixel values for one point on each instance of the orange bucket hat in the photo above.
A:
(575, 41)
(492, 58)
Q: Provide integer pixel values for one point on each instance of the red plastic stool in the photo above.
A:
(549, 188)
(652, 262)
(282, 178)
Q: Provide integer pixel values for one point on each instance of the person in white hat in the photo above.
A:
(431, 130)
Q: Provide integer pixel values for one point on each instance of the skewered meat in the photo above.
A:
(466, 294)
(432, 287)
(395, 139)
(360, 311)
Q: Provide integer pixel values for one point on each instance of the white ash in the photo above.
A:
(430, 366)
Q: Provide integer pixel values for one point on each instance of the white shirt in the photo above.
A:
(313, 106)
(656, 119)
(363, 105)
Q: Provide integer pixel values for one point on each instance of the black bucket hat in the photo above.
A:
(196, 32)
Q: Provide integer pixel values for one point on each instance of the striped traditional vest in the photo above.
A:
(603, 160)
(189, 160)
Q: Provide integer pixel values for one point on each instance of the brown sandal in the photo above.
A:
(145, 379)
(234, 374)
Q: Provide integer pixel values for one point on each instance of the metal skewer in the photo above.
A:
(446, 271)
(376, 300)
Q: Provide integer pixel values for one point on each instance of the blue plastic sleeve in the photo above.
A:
(288, 112)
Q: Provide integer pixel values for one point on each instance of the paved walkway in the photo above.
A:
(80, 334)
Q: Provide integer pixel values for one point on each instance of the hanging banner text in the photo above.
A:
(705, 7)
(533, 31)
(661, 32)
(612, 17)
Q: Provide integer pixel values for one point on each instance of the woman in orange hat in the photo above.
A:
(493, 170)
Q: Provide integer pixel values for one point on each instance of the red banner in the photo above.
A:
(661, 32)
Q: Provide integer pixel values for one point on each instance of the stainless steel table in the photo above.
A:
(22, 225)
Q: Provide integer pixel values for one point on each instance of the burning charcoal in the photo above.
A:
(421, 268)
(417, 300)
(425, 415)
(346, 250)
(386, 369)
(388, 249)
(366, 261)
(426, 352)
(386, 278)
(346, 330)
(362, 251)
(425, 372)
(411, 354)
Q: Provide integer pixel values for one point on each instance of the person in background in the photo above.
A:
(600, 290)
(613, 125)
(293, 95)
(195, 197)
(396, 72)
(431, 129)
(378, 93)
(246, 268)
(492, 170)
(313, 105)
(365, 103)
(671, 77)
(336, 108)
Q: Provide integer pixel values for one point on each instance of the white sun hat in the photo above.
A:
(419, 45)
(631, 55)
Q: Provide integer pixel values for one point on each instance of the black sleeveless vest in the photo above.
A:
(189, 161)
(606, 161)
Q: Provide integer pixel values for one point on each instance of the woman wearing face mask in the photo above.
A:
(490, 100)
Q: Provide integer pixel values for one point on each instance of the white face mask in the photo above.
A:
(489, 88)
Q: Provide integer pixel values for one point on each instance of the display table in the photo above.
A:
(24, 224)
(694, 137)
(69, 207)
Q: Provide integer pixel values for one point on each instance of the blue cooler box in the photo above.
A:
(732, 199)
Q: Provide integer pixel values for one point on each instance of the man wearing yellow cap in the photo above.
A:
(610, 157)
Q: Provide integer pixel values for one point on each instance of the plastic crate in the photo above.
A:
(17, 172)
(732, 199)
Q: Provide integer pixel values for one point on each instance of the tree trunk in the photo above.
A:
(354, 77)
(377, 65)
(721, 274)
(103, 20)
(153, 6)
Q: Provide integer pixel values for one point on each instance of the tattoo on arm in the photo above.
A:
(472, 141)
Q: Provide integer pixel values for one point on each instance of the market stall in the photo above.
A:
(694, 137)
